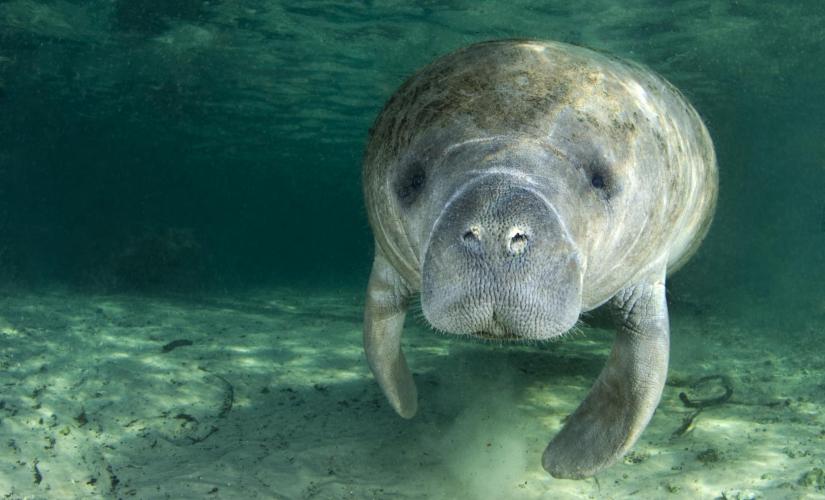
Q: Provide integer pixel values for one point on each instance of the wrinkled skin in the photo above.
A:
(518, 184)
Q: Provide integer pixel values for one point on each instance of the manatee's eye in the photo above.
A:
(411, 184)
(597, 181)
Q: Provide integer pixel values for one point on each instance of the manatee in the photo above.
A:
(517, 184)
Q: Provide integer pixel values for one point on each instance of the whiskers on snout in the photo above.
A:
(416, 311)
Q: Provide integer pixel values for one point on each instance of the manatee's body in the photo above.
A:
(517, 184)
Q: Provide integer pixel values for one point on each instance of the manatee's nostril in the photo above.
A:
(472, 240)
(473, 235)
(517, 242)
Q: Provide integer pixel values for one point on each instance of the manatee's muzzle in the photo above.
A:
(500, 264)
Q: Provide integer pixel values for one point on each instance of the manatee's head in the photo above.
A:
(489, 220)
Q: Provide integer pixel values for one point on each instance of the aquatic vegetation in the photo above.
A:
(168, 258)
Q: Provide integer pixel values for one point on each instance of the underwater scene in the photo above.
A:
(218, 217)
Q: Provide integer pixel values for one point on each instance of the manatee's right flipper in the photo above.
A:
(387, 302)
(617, 409)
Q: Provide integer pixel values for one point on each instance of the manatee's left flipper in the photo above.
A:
(621, 402)
(387, 302)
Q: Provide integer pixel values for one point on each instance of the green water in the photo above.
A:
(214, 147)
(244, 123)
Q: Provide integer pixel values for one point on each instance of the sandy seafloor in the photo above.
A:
(273, 399)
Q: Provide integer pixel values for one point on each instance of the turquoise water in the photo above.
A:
(212, 149)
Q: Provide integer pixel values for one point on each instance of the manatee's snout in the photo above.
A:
(499, 263)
